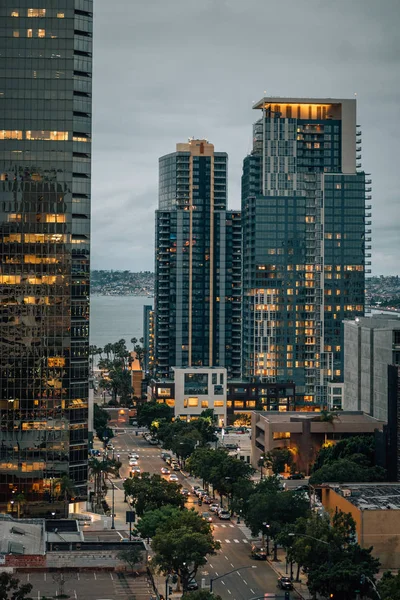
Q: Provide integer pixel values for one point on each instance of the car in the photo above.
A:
(285, 583)
(192, 585)
(224, 515)
(296, 476)
(133, 455)
(153, 441)
(200, 492)
(165, 471)
(173, 477)
(258, 552)
(176, 467)
(133, 462)
(208, 499)
(214, 507)
(185, 492)
(165, 455)
(110, 446)
(195, 487)
(207, 517)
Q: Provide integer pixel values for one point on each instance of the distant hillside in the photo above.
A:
(122, 283)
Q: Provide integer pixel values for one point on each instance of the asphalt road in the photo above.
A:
(259, 578)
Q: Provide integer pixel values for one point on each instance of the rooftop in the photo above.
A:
(283, 100)
(356, 416)
(370, 496)
(21, 536)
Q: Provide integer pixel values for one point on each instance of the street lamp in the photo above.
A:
(53, 514)
(267, 526)
(112, 504)
(228, 573)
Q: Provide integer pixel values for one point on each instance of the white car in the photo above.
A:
(133, 455)
(173, 477)
(133, 462)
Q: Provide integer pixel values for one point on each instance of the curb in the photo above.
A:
(295, 588)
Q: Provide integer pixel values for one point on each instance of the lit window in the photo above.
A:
(29, 33)
(41, 33)
(192, 402)
(204, 404)
(220, 403)
(14, 13)
(10, 134)
(15, 33)
(80, 139)
(54, 136)
(60, 15)
(36, 12)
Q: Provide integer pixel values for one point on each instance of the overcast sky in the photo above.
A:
(166, 70)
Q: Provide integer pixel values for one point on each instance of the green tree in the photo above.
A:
(150, 492)
(100, 421)
(67, 491)
(11, 589)
(360, 449)
(200, 595)
(277, 459)
(131, 555)
(389, 586)
(148, 412)
(328, 553)
(347, 470)
(153, 519)
(182, 544)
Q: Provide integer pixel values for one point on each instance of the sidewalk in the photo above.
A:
(279, 566)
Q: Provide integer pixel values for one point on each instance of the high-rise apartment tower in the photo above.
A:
(198, 263)
(45, 162)
(305, 241)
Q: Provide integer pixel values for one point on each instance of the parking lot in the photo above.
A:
(88, 586)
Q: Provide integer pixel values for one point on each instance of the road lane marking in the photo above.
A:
(211, 565)
(232, 565)
(226, 558)
(252, 591)
(112, 578)
(75, 594)
(223, 582)
(220, 541)
(223, 525)
(231, 526)
(245, 541)
(216, 573)
(236, 541)
(244, 581)
(95, 576)
(228, 541)
(229, 591)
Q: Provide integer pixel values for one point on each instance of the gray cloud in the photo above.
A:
(167, 70)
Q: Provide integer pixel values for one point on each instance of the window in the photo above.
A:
(15, 33)
(281, 435)
(60, 15)
(192, 402)
(29, 33)
(10, 134)
(219, 403)
(214, 378)
(41, 33)
(204, 404)
(221, 378)
(54, 136)
(196, 383)
(36, 12)
(15, 13)
(218, 390)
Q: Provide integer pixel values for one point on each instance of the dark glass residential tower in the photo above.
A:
(45, 162)
(198, 263)
(304, 241)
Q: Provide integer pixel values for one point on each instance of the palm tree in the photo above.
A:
(20, 499)
(67, 490)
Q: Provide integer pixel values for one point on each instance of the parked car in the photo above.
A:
(153, 441)
(173, 477)
(258, 552)
(207, 517)
(296, 476)
(214, 507)
(224, 515)
(194, 488)
(199, 492)
(192, 585)
(176, 467)
(208, 499)
(285, 583)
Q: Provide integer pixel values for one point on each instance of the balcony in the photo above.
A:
(359, 133)
(368, 189)
(368, 181)
(368, 206)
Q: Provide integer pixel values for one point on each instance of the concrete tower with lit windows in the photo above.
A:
(45, 166)
(306, 248)
(197, 300)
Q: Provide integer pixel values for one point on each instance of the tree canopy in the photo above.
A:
(389, 586)
(150, 492)
(148, 412)
(182, 544)
(11, 589)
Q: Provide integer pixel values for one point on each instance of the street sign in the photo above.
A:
(130, 516)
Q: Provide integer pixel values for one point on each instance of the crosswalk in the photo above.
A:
(235, 541)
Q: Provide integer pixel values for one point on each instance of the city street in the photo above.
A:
(235, 539)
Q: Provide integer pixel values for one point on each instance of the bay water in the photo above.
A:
(116, 317)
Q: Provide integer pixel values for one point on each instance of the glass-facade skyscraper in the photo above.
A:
(198, 263)
(305, 241)
(45, 170)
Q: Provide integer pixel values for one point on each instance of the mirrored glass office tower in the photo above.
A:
(305, 241)
(45, 165)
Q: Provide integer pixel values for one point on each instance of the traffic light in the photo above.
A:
(170, 590)
(175, 578)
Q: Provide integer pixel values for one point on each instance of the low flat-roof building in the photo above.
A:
(375, 508)
(305, 433)
(22, 542)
